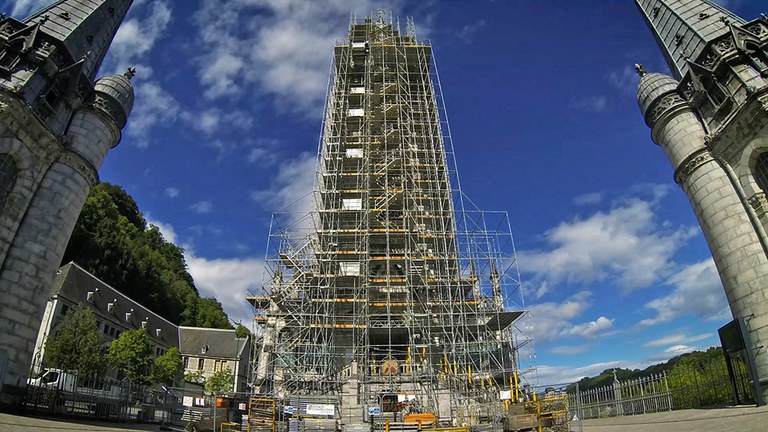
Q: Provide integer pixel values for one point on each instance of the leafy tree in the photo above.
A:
(222, 381)
(210, 314)
(131, 354)
(167, 367)
(75, 345)
(112, 240)
(242, 331)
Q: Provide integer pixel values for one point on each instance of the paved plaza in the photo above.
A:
(16, 423)
(726, 419)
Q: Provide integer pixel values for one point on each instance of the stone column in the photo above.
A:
(38, 246)
(735, 244)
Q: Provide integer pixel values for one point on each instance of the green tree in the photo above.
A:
(168, 367)
(242, 331)
(131, 355)
(75, 345)
(210, 314)
(222, 381)
(112, 240)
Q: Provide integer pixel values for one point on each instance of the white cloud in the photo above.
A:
(569, 349)
(553, 375)
(626, 244)
(589, 329)
(590, 104)
(23, 8)
(555, 320)
(679, 349)
(698, 291)
(588, 198)
(202, 207)
(165, 229)
(139, 34)
(172, 192)
(625, 79)
(294, 180)
(468, 32)
(262, 156)
(154, 106)
(678, 338)
(212, 120)
(285, 49)
(227, 279)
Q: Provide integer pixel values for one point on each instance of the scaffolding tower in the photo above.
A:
(386, 286)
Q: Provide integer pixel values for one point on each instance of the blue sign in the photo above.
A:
(374, 411)
(289, 410)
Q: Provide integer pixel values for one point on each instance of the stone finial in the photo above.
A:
(640, 69)
(130, 72)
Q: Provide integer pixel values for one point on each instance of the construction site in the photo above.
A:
(389, 298)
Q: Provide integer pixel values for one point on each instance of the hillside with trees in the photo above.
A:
(684, 362)
(113, 241)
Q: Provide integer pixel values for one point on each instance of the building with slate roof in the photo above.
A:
(115, 312)
(204, 350)
(208, 351)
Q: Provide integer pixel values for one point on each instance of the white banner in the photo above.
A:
(321, 409)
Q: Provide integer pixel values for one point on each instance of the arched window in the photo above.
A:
(761, 171)
(7, 177)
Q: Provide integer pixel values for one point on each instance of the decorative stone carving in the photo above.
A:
(663, 105)
(691, 164)
(759, 202)
(724, 45)
(82, 166)
(756, 29)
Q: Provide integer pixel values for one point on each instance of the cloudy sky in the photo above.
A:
(229, 98)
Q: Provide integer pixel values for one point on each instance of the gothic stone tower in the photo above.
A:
(711, 119)
(56, 127)
(389, 295)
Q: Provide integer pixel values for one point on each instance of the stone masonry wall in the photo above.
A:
(36, 250)
(735, 244)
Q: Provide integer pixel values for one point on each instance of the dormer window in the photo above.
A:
(204, 349)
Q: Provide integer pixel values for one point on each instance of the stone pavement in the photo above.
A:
(17, 423)
(725, 419)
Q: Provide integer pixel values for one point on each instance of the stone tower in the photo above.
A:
(392, 294)
(711, 119)
(56, 126)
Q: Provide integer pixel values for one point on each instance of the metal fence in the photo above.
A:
(57, 392)
(697, 386)
(637, 396)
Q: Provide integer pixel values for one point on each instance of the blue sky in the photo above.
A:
(545, 125)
